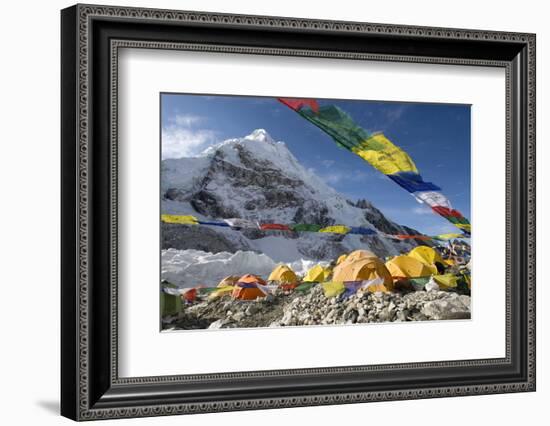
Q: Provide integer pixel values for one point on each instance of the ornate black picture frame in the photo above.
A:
(91, 37)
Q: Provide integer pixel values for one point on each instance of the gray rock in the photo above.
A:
(351, 316)
(448, 308)
(183, 237)
(384, 315)
(238, 316)
(418, 316)
(431, 285)
(217, 324)
(252, 309)
(287, 318)
(401, 316)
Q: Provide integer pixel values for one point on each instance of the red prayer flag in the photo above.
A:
(190, 295)
(447, 212)
(274, 226)
(296, 103)
(416, 237)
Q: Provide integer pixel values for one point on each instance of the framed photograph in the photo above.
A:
(263, 212)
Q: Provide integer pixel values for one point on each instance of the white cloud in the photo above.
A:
(186, 120)
(180, 137)
(390, 114)
(336, 176)
(395, 113)
(333, 178)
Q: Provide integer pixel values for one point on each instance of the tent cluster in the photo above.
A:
(377, 150)
(238, 224)
(423, 268)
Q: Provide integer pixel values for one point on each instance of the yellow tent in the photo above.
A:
(229, 280)
(407, 267)
(317, 274)
(282, 273)
(359, 254)
(336, 229)
(221, 291)
(341, 258)
(428, 256)
(364, 269)
(182, 220)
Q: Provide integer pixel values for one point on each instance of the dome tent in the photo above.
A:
(221, 291)
(317, 274)
(228, 281)
(247, 288)
(360, 267)
(407, 267)
(225, 286)
(429, 257)
(283, 274)
(169, 304)
(359, 254)
(341, 258)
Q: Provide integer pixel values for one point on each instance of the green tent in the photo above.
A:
(169, 305)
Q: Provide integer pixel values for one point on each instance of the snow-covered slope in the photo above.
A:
(188, 268)
(259, 179)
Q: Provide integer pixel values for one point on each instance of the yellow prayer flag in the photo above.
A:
(336, 229)
(465, 226)
(446, 280)
(182, 220)
(449, 236)
(333, 289)
(383, 155)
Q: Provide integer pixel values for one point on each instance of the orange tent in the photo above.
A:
(247, 288)
(364, 269)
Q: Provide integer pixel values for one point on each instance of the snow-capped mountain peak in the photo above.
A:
(252, 141)
(259, 179)
(258, 145)
(260, 135)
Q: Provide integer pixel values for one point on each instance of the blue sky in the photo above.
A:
(436, 136)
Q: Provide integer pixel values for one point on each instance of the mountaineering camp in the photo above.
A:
(249, 243)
